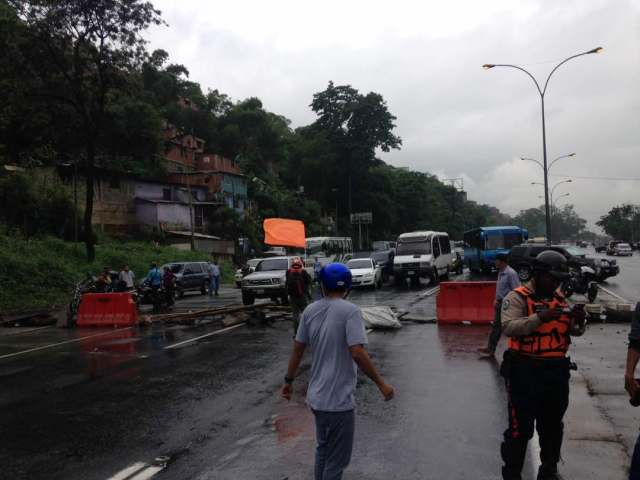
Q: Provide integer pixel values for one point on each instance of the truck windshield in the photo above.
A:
(414, 248)
(501, 240)
(273, 264)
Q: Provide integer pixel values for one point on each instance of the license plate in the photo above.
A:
(411, 272)
(260, 292)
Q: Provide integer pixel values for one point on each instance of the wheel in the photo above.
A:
(592, 292)
(179, 292)
(247, 298)
(524, 272)
(203, 288)
(284, 300)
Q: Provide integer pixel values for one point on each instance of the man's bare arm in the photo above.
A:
(295, 358)
(362, 359)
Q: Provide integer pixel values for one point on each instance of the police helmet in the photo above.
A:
(553, 263)
(335, 276)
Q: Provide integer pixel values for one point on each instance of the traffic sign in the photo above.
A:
(362, 218)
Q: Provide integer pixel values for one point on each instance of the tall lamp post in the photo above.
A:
(542, 92)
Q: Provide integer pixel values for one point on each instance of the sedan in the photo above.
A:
(365, 272)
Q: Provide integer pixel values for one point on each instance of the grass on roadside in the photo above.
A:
(41, 272)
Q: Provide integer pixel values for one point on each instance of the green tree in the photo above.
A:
(81, 53)
(622, 222)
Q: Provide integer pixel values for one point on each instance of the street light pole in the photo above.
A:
(542, 92)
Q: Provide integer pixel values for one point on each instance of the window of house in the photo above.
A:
(166, 194)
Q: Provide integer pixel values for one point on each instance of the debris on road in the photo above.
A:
(39, 318)
(232, 311)
(380, 317)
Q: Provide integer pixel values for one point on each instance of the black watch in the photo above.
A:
(288, 379)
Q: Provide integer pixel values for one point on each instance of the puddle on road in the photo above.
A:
(296, 422)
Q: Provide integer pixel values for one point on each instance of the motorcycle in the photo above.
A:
(88, 285)
(148, 295)
(582, 280)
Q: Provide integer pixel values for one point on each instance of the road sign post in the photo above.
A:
(361, 218)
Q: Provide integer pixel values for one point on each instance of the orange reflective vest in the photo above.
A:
(549, 340)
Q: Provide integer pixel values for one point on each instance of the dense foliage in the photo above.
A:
(622, 222)
(83, 89)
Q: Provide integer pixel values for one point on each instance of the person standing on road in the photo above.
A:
(169, 284)
(298, 282)
(334, 329)
(508, 280)
(214, 278)
(126, 277)
(317, 266)
(538, 322)
(632, 386)
(154, 277)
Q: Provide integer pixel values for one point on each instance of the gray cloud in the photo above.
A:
(455, 118)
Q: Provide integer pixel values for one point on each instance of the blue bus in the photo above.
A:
(481, 245)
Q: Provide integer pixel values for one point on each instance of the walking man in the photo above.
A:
(538, 322)
(214, 278)
(507, 280)
(317, 266)
(632, 386)
(334, 330)
(298, 282)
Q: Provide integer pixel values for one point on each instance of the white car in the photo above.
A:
(365, 272)
(622, 250)
(250, 267)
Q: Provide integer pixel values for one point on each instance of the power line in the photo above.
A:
(613, 179)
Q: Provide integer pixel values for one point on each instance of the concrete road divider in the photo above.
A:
(466, 302)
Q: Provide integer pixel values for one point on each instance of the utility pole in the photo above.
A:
(75, 204)
(457, 186)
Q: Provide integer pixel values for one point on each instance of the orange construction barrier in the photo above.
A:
(471, 302)
(107, 310)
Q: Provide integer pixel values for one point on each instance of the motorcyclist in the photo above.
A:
(298, 282)
(154, 277)
(169, 284)
(539, 323)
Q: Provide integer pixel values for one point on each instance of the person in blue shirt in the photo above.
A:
(507, 280)
(154, 277)
(317, 266)
(334, 330)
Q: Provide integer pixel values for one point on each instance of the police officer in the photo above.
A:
(538, 322)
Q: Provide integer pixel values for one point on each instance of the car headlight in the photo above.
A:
(275, 281)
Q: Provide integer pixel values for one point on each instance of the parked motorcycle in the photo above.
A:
(583, 281)
(88, 285)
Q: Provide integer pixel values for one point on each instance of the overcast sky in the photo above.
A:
(425, 58)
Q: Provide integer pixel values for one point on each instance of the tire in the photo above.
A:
(247, 298)
(203, 288)
(592, 292)
(524, 273)
(284, 300)
(179, 292)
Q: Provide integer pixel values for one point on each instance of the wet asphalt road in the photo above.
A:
(90, 409)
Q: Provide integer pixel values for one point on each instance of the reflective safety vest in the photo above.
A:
(549, 340)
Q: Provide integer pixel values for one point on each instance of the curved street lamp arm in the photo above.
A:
(533, 160)
(562, 63)
(523, 70)
(559, 158)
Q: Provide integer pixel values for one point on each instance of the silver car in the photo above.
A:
(268, 280)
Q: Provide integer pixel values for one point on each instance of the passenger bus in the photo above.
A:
(328, 249)
(481, 245)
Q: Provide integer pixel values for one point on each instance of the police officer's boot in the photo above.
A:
(550, 447)
(513, 452)
(548, 471)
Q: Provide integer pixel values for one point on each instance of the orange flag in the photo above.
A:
(283, 232)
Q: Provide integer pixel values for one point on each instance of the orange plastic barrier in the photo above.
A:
(107, 310)
(471, 302)
(283, 232)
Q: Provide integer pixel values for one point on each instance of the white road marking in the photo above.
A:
(614, 295)
(147, 473)
(127, 472)
(35, 329)
(430, 292)
(210, 334)
(52, 345)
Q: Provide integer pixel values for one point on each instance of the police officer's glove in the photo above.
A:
(549, 315)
